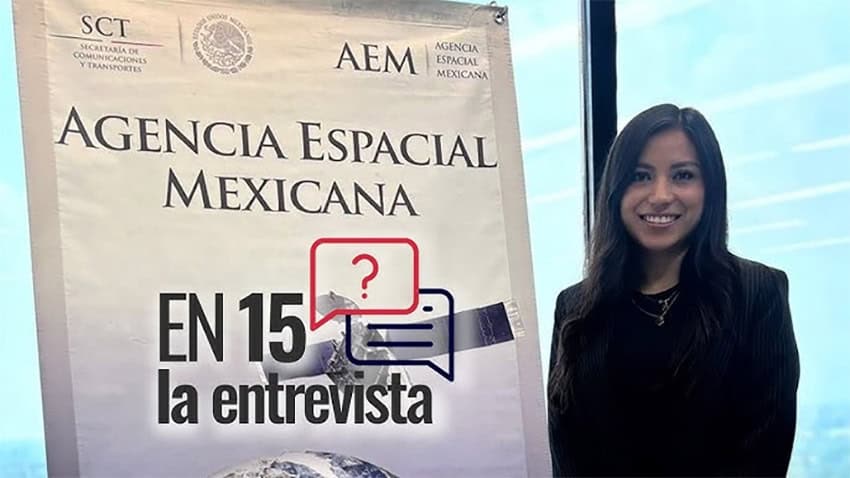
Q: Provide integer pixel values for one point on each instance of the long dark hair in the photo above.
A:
(708, 273)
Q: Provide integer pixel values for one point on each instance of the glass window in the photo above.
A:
(774, 81)
(545, 47)
(21, 429)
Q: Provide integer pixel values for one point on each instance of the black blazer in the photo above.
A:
(741, 417)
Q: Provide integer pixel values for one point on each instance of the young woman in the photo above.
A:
(672, 356)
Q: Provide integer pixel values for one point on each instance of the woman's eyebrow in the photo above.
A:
(677, 164)
(682, 164)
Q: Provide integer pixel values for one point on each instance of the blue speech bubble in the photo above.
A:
(407, 343)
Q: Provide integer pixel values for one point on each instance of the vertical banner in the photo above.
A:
(279, 239)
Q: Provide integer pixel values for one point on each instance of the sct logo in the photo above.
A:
(104, 26)
(378, 58)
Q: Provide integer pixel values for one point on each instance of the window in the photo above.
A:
(545, 46)
(21, 430)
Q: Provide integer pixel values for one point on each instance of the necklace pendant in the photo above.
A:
(659, 321)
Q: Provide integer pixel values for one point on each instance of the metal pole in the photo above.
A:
(598, 96)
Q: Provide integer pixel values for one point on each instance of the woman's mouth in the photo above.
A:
(659, 220)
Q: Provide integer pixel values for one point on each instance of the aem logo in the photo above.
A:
(378, 58)
(104, 26)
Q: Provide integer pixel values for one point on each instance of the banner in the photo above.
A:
(274, 236)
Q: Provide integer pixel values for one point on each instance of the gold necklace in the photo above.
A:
(665, 304)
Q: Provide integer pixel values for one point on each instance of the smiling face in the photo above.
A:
(664, 202)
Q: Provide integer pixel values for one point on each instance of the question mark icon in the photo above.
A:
(365, 282)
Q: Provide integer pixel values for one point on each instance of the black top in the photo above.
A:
(631, 416)
(641, 372)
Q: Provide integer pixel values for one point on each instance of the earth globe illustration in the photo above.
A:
(306, 464)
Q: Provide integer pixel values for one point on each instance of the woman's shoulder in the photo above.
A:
(764, 291)
(570, 295)
(568, 299)
(758, 279)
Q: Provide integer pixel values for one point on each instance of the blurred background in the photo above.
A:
(772, 77)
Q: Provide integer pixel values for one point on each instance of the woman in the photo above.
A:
(672, 356)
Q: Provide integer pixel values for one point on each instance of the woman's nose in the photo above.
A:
(662, 193)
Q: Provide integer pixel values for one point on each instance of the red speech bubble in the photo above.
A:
(316, 321)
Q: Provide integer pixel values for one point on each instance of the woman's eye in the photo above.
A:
(641, 176)
(684, 176)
